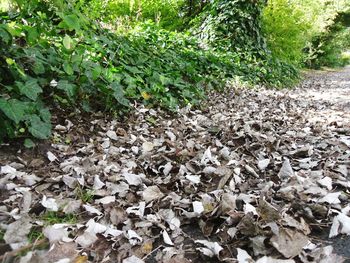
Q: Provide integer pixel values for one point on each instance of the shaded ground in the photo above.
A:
(254, 174)
(341, 246)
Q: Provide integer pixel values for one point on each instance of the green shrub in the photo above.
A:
(65, 61)
(306, 32)
(231, 25)
(327, 48)
(124, 14)
(53, 57)
(286, 29)
(234, 27)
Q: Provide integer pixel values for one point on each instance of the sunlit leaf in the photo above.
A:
(70, 22)
(68, 42)
(145, 95)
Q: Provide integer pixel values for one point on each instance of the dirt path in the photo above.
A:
(333, 89)
(259, 174)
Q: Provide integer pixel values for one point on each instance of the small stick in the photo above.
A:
(150, 253)
(22, 249)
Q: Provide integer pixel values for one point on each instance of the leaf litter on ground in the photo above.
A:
(249, 178)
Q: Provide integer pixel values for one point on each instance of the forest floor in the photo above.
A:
(254, 175)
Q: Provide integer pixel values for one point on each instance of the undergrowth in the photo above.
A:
(2, 233)
(52, 57)
(52, 217)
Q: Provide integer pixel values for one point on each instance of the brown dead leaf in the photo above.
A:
(289, 242)
(267, 212)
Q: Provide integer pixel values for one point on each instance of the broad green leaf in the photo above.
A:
(30, 88)
(32, 35)
(164, 80)
(38, 128)
(130, 81)
(68, 42)
(76, 58)
(68, 68)
(13, 109)
(45, 115)
(118, 93)
(96, 72)
(38, 68)
(14, 29)
(68, 88)
(28, 143)
(5, 36)
(133, 70)
(70, 22)
(86, 106)
(10, 61)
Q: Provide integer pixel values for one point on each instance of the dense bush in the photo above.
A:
(306, 32)
(52, 56)
(103, 55)
(124, 14)
(286, 29)
(235, 27)
(327, 48)
(232, 25)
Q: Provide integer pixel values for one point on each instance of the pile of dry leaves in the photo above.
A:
(250, 178)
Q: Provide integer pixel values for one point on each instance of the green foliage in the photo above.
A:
(307, 32)
(52, 56)
(127, 13)
(35, 235)
(232, 25)
(234, 28)
(52, 217)
(85, 195)
(286, 30)
(327, 48)
(2, 233)
(70, 65)
(28, 143)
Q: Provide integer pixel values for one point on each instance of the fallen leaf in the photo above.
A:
(147, 147)
(262, 164)
(211, 248)
(331, 198)
(151, 193)
(55, 233)
(133, 259)
(17, 232)
(112, 135)
(49, 203)
(51, 156)
(286, 170)
(243, 256)
(340, 225)
(289, 242)
(166, 238)
(198, 207)
(106, 200)
(81, 259)
(266, 259)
